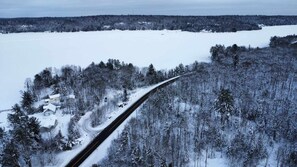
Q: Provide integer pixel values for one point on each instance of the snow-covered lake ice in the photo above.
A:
(25, 54)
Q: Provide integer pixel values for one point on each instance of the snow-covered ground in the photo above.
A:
(101, 151)
(25, 54)
(58, 120)
(88, 132)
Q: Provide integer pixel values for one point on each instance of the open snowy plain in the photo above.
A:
(25, 54)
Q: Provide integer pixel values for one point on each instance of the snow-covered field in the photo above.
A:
(25, 54)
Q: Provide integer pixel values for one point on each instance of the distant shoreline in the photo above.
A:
(224, 23)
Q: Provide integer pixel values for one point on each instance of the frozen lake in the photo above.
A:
(25, 54)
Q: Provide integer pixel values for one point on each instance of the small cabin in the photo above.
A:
(49, 109)
(55, 99)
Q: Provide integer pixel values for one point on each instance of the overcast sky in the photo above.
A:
(37, 8)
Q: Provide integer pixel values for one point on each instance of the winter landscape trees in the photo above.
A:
(74, 91)
(24, 139)
(245, 115)
(241, 107)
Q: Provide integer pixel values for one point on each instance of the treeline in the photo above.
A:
(142, 22)
(242, 109)
(89, 85)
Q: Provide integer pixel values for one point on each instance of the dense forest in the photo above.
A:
(242, 107)
(142, 22)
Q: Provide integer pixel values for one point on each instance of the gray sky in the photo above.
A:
(37, 8)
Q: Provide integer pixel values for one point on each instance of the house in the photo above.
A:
(49, 126)
(49, 109)
(55, 99)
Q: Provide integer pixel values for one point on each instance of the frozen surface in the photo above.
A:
(25, 54)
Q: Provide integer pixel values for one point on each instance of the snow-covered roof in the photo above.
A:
(72, 96)
(45, 121)
(54, 96)
(50, 107)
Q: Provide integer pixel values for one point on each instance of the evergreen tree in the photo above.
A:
(34, 128)
(234, 51)
(2, 133)
(73, 132)
(125, 95)
(47, 78)
(102, 64)
(17, 117)
(59, 142)
(109, 65)
(151, 75)
(25, 133)
(10, 155)
(38, 82)
(217, 53)
(180, 69)
(224, 104)
(27, 101)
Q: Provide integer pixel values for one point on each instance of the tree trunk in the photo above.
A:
(28, 161)
(206, 152)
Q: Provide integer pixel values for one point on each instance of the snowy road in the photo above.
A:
(86, 127)
(90, 148)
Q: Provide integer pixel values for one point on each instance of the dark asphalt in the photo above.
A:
(84, 154)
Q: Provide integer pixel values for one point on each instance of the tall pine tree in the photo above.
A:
(25, 133)
(151, 75)
(10, 156)
(224, 104)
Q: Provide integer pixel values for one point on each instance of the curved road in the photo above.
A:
(83, 155)
(85, 128)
